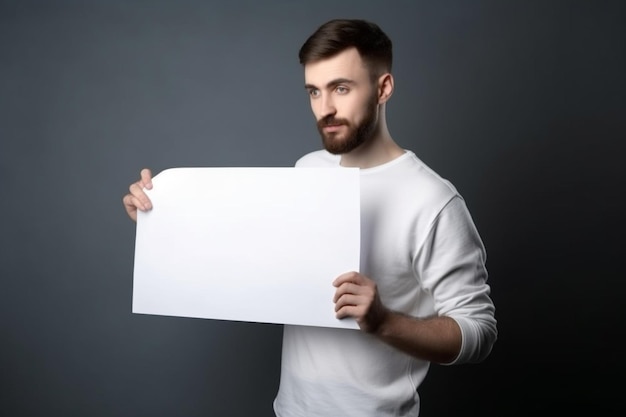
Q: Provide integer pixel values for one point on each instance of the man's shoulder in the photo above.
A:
(434, 190)
(320, 158)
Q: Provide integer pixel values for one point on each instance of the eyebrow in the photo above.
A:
(332, 83)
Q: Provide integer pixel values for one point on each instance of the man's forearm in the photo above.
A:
(435, 339)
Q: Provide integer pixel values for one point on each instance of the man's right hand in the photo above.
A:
(137, 199)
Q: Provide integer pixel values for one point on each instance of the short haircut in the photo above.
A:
(337, 35)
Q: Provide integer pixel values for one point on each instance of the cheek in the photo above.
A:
(315, 108)
(356, 111)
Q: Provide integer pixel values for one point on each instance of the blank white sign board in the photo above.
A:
(247, 244)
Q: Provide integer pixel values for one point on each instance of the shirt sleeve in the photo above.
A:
(451, 263)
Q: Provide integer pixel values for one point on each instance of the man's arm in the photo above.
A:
(450, 264)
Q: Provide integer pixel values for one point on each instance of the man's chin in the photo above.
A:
(334, 145)
(335, 151)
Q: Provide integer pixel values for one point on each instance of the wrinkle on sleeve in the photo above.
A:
(452, 264)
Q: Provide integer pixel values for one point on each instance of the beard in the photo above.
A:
(355, 135)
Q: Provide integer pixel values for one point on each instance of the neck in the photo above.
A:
(379, 149)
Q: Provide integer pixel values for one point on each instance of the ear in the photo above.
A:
(385, 87)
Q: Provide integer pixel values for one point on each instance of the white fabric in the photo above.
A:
(419, 243)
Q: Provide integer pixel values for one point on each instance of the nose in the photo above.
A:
(327, 106)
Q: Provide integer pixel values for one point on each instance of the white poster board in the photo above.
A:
(247, 244)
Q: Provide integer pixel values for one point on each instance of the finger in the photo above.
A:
(351, 276)
(350, 311)
(126, 201)
(130, 208)
(146, 178)
(347, 300)
(132, 204)
(140, 198)
(346, 288)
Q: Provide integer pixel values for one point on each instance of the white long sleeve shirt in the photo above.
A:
(420, 245)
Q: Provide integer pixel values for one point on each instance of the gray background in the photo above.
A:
(521, 104)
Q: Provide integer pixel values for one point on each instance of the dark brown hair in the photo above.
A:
(337, 35)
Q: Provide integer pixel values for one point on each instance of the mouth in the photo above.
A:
(332, 128)
(331, 124)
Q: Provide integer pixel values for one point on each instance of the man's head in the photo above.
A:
(347, 66)
(335, 36)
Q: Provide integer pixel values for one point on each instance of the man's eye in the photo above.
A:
(314, 93)
(341, 89)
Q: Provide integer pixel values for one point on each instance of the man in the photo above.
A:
(421, 294)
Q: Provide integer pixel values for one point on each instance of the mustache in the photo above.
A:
(331, 121)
